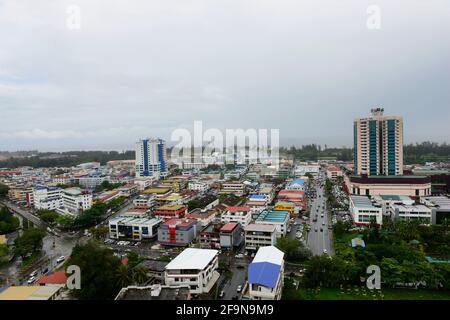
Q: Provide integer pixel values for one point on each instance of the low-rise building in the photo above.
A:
(363, 211)
(205, 217)
(266, 274)
(155, 292)
(237, 188)
(410, 212)
(169, 211)
(239, 214)
(49, 198)
(296, 184)
(259, 235)
(280, 219)
(440, 208)
(145, 201)
(196, 268)
(178, 232)
(210, 236)
(231, 235)
(76, 200)
(411, 186)
(135, 228)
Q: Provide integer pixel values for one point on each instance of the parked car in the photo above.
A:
(239, 288)
(34, 273)
(60, 259)
(31, 280)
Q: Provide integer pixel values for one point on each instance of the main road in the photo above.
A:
(319, 236)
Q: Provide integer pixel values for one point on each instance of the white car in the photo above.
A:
(60, 259)
(33, 274)
(239, 288)
(325, 251)
(31, 280)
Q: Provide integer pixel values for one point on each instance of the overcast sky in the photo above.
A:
(144, 68)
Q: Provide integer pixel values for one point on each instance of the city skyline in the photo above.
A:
(63, 89)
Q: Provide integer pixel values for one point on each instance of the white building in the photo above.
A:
(144, 183)
(195, 268)
(49, 198)
(197, 185)
(259, 235)
(134, 228)
(75, 200)
(363, 211)
(410, 212)
(236, 188)
(145, 201)
(242, 215)
(151, 158)
(304, 169)
(266, 274)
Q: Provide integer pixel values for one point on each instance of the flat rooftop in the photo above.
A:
(260, 227)
(192, 258)
(273, 216)
(362, 202)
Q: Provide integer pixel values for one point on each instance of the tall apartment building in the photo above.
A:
(151, 158)
(378, 144)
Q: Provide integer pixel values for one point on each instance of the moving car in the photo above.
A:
(239, 288)
(60, 259)
(325, 251)
(315, 229)
(321, 230)
(222, 293)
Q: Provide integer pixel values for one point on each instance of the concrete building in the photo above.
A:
(134, 228)
(296, 184)
(76, 200)
(259, 235)
(155, 292)
(145, 201)
(237, 188)
(411, 186)
(266, 274)
(333, 172)
(196, 268)
(378, 144)
(171, 211)
(178, 232)
(363, 211)
(239, 214)
(151, 158)
(280, 219)
(440, 208)
(231, 235)
(49, 198)
(410, 212)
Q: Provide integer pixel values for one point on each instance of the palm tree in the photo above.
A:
(139, 275)
(123, 276)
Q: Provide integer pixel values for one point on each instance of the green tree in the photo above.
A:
(391, 271)
(48, 216)
(99, 271)
(8, 223)
(4, 252)
(66, 221)
(30, 242)
(3, 190)
(292, 248)
(99, 232)
(124, 277)
(139, 275)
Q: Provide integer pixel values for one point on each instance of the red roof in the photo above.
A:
(228, 227)
(238, 209)
(55, 278)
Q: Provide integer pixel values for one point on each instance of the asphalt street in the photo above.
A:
(319, 236)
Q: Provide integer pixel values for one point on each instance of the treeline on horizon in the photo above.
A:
(417, 153)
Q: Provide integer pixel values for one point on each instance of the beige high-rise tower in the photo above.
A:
(378, 144)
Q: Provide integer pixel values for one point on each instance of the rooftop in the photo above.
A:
(273, 216)
(154, 292)
(228, 227)
(29, 292)
(192, 258)
(362, 202)
(55, 278)
(269, 254)
(239, 209)
(260, 227)
(171, 207)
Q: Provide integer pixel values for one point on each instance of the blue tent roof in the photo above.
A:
(263, 273)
